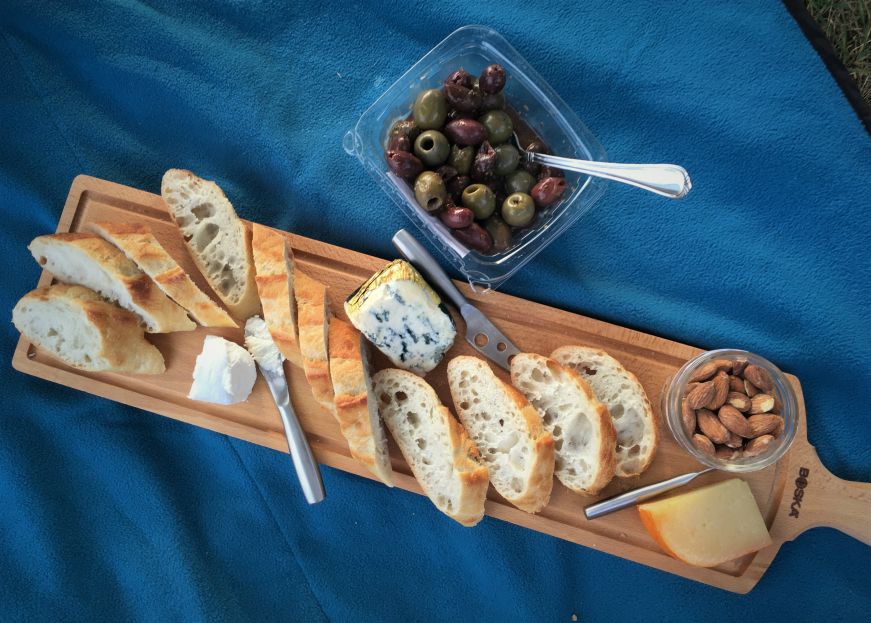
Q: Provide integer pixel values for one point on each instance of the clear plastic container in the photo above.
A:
(675, 390)
(473, 48)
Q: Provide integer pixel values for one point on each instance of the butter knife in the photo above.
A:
(482, 334)
(270, 362)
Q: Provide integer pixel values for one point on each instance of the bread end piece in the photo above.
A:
(217, 239)
(76, 325)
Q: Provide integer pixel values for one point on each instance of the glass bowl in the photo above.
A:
(473, 48)
(675, 389)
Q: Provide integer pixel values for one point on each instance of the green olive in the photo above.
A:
(480, 200)
(429, 190)
(430, 109)
(432, 147)
(461, 159)
(405, 127)
(507, 159)
(519, 181)
(518, 209)
(498, 125)
(500, 232)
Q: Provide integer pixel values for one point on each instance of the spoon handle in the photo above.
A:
(668, 180)
(640, 494)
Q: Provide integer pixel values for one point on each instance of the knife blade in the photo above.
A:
(481, 333)
(269, 360)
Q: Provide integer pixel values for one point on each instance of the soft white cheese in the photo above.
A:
(260, 344)
(404, 322)
(224, 373)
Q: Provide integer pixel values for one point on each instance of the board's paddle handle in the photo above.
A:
(815, 497)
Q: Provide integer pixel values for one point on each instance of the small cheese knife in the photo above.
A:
(482, 334)
(304, 462)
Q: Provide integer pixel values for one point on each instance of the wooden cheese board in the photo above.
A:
(824, 499)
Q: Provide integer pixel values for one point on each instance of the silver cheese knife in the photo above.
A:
(269, 361)
(482, 334)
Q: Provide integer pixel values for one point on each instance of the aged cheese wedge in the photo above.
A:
(708, 526)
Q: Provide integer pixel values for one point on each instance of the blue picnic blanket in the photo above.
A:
(110, 513)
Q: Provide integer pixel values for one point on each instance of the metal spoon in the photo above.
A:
(668, 180)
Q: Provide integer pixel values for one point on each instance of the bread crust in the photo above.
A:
(164, 316)
(273, 262)
(313, 317)
(122, 346)
(539, 478)
(348, 370)
(140, 245)
(248, 304)
(466, 465)
(564, 353)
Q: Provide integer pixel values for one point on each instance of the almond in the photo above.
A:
(761, 403)
(759, 377)
(700, 395)
(709, 369)
(711, 426)
(758, 445)
(724, 453)
(735, 441)
(687, 418)
(739, 400)
(704, 444)
(735, 421)
(721, 390)
(736, 384)
(739, 366)
(750, 389)
(765, 423)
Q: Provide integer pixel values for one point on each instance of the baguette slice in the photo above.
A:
(90, 261)
(81, 329)
(139, 244)
(216, 239)
(313, 316)
(583, 434)
(507, 430)
(356, 408)
(623, 395)
(273, 262)
(444, 460)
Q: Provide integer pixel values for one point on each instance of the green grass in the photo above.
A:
(847, 24)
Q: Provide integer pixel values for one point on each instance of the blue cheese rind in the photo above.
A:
(403, 317)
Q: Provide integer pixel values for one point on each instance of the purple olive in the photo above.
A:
(547, 171)
(456, 217)
(548, 191)
(398, 142)
(476, 237)
(466, 132)
(485, 162)
(461, 77)
(462, 98)
(404, 164)
(492, 79)
(446, 172)
(456, 185)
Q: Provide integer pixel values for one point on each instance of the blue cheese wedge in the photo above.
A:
(403, 317)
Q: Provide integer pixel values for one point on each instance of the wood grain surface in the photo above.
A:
(824, 499)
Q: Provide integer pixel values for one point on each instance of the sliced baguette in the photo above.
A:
(90, 261)
(508, 432)
(356, 408)
(139, 244)
(273, 262)
(444, 460)
(81, 329)
(623, 395)
(216, 238)
(313, 317)
(583, 434)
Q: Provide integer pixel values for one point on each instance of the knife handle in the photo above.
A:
(303, 459)
(427, 265)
